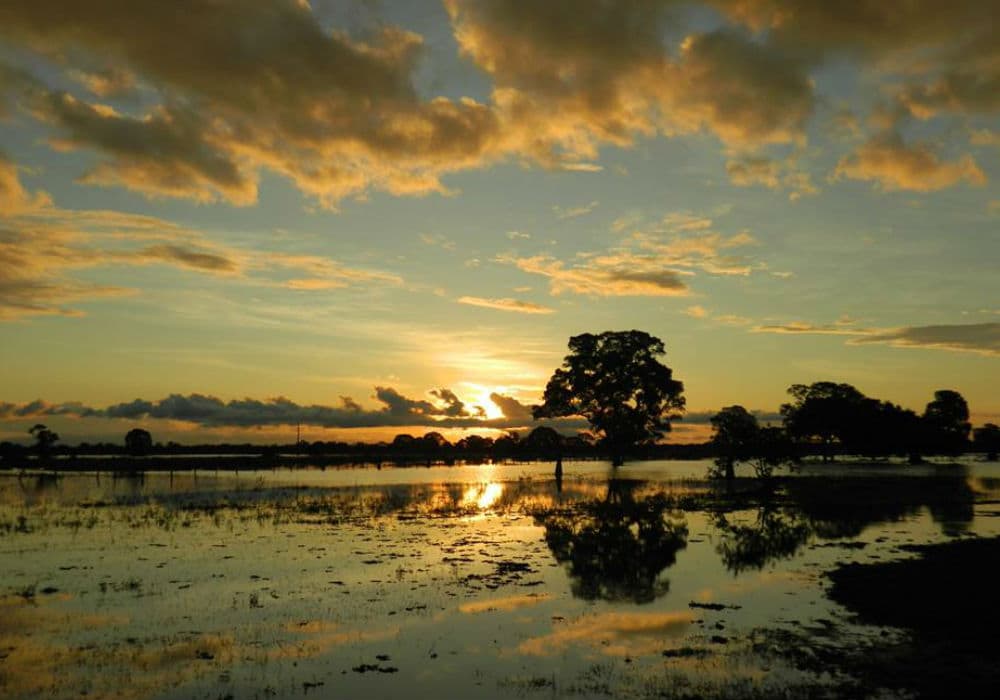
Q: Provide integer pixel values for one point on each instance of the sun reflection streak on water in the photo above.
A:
(482, 496)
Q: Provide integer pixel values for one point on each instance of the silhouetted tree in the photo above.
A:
(881, 428)
(543, 441)
(739, 438)
(44, 440)
(138, 442)
(736, 432)
(823, 411)
(505, 445)
(475, 444)
(434, 442)
(987, 439)
(615, 381)
(946, 419)
(403, 441)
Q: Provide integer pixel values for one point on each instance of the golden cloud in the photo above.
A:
(616, 275)
(895, 165)
(14, 199)
(612, 77)
(504, 604)
(616, 634)
(262, 84)
(656, 262)
(524, 307)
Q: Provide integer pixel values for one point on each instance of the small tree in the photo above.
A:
(616, 382)
(736, 432)
(987, 439)
(138, 442)
(946, 419)
(739, 438)
(44, 440)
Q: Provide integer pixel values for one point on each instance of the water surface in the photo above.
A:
(490, 580)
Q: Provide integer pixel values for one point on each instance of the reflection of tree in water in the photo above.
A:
(837, 508)
(772, 536)
(616, 549)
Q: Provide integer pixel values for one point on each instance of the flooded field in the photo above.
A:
(475, 581)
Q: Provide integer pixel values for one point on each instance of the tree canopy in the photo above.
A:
(616, 382)
(138, 442)
(44, 439)
(947, 421)
(987, 439)
(736, 432)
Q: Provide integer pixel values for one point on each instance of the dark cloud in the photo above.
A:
(511, 407)
(574, 74)
(187, 257)
(246, 85)
(983, 338)
(212, 412)
(240, 87)
(165, 152)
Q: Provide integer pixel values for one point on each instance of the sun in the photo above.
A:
(479, 395)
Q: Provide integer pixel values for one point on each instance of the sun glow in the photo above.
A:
(482, 495)
(479, 395)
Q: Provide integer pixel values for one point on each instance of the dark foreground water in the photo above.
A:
(482, 581)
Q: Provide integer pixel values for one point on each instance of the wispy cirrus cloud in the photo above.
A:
(843, 326)
(981, 338)
(654, 260)
(506, 304)
(563, 213)
(42, 245)
(606, 275)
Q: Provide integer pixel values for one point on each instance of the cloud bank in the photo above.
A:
(441, 409)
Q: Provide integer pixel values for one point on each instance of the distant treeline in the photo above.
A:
(824, 419)
(542, 443)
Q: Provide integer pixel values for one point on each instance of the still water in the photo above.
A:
(473, 581)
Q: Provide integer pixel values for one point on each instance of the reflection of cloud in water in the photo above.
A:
(504, 604)
(40, 662)
(322, 636)
(618, 634)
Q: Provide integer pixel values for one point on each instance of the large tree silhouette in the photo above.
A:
(616, 382)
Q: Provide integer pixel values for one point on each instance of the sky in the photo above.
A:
(222, 219)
